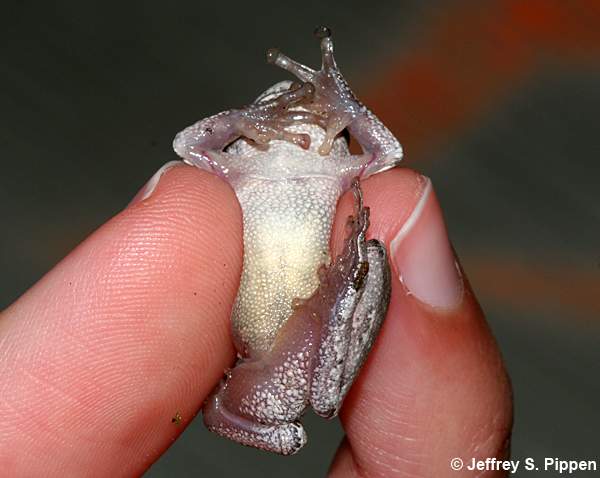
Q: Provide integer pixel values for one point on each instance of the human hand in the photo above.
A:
(133, 327)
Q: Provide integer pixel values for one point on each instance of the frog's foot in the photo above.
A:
(260, 401)
(266, 121)
(359, 279)
(202, 144)
(281, 438)
(334, 100)
(333, 97)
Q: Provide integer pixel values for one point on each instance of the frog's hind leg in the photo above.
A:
(368, 316)
(360, 280)
(260, 401)
(283, 438)
(315, 356)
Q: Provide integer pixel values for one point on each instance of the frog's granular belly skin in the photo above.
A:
(287, 223)
(288, 198)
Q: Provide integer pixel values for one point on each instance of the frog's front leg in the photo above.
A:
(202, 143)
(334, 99)
(316, 354)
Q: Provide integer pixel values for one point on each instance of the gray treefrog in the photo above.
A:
(302, 324)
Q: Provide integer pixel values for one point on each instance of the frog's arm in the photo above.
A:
(202, 143)
(334, 100)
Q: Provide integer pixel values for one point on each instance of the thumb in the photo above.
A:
(434, 387)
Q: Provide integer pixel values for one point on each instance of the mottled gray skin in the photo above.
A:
(302, 324)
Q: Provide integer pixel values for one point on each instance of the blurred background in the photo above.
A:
(497, 101)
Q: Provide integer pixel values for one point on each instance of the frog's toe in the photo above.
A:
(283, 438)
(324, 34)
(300, 139)
(295, 117)
(292, 437)
(302, 72)
(336, 123)
(296, 94)
(267, 121)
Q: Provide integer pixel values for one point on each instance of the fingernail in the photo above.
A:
(150, 186)
(423, 256)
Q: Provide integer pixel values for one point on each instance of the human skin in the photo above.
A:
(133, 326)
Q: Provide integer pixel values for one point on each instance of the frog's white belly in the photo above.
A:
(287, 225)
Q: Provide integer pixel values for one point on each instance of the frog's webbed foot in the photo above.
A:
(202, 143)
(285, 438)
(266, 121)
(261, 400)
(359, 279)
(334, 100)
(333, 97)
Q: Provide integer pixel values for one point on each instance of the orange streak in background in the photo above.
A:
(472, 56)
(526, 285)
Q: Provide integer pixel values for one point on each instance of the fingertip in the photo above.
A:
(390, 196)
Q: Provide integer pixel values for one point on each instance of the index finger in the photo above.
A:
(110, 354)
